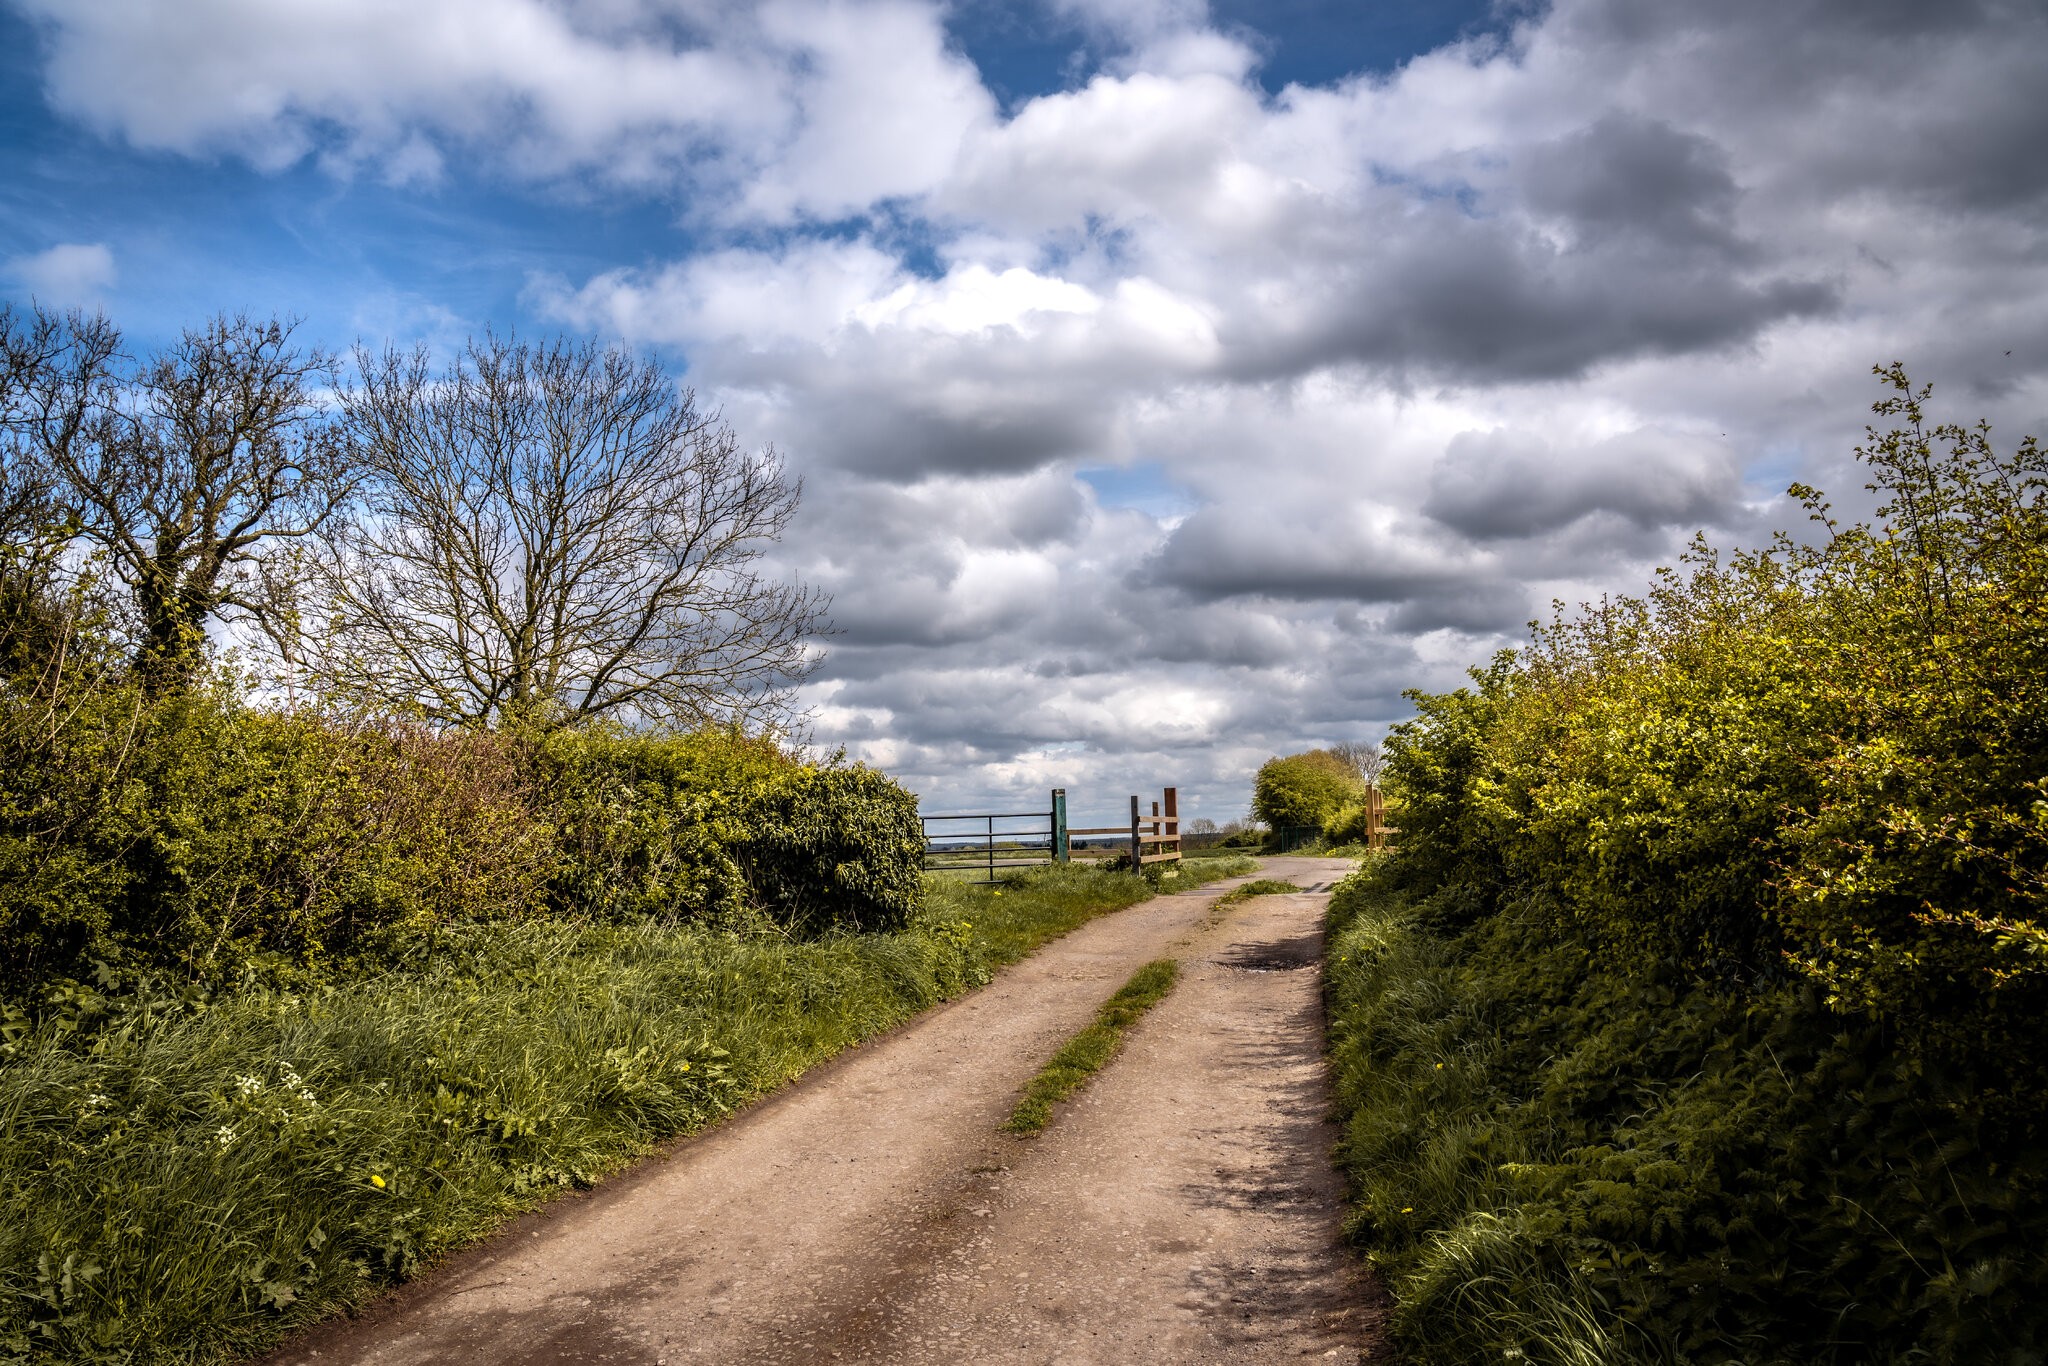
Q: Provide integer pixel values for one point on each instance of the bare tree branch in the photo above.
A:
(1362, 758)
(555, 533)
(189, 471)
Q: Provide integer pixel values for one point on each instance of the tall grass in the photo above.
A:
(1014, 916)
(185, 1179)
(1429, 1163)
(1260, 886)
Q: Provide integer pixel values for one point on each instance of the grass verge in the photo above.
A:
(1263, 886)
(1419, 1061)
(185, 1179)
(1089, 1051)
(1562, 1158)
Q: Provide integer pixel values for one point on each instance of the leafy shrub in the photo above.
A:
(1561, 1157)
(835, 848)
(195, 831)
(189, 830)
(1303, 790)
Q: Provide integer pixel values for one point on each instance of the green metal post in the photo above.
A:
(1059, 826)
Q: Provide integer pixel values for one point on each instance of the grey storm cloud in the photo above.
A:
(1494, 300)
(1499, 485)
(1483, 608)
(1213, 559)
(1900, 96)
(1217, 554)
(1627, 176)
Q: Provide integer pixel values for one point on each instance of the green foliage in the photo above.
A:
(188, 1175)
(192, 830)
(1304, 789)
(1089, 1051)
(1261, 886)
(728, 826)
(1574, 1159)
(835, 848)
(1701, 1000)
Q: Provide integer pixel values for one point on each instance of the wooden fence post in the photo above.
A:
(1172, 826)
(1137, 845)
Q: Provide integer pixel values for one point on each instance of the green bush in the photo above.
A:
(1557, 1156)
(835, 848)
(191, 831)
(724, 825)
(1304, 790)
(195, 831)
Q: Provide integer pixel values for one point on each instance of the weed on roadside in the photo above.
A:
(1265, 886)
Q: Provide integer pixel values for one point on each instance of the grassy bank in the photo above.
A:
(1559, 1157)
(187, 1178)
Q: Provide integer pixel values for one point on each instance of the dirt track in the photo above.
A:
(1182, 1209)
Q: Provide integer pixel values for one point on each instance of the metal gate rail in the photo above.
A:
(1158, 833)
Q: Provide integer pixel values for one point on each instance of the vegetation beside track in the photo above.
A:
(1697, 1017)
(188, 1175)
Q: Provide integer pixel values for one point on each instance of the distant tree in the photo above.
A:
(1363, 758)
(55, 378)
(554, 533)
(1201, 825)
(189, 471)
(1304, 789)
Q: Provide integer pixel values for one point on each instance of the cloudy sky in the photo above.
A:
(1173, 384)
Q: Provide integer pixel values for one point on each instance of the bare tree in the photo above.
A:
(552, 533)
(1363, 759)
(191, 470)
(55, 377)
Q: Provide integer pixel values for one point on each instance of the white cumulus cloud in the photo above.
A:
(68, 275)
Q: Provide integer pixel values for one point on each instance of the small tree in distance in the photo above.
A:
(1304, 790)
(1363, 758)
(552, 534)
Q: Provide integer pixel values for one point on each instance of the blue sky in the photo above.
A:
(359, 258)
(1173, 383)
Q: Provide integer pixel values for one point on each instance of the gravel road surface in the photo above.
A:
(1181, 1209)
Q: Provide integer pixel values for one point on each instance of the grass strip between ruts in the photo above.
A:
(1088, 1051)
(1264, 886)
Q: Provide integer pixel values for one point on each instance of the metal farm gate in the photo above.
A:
(953, 843)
